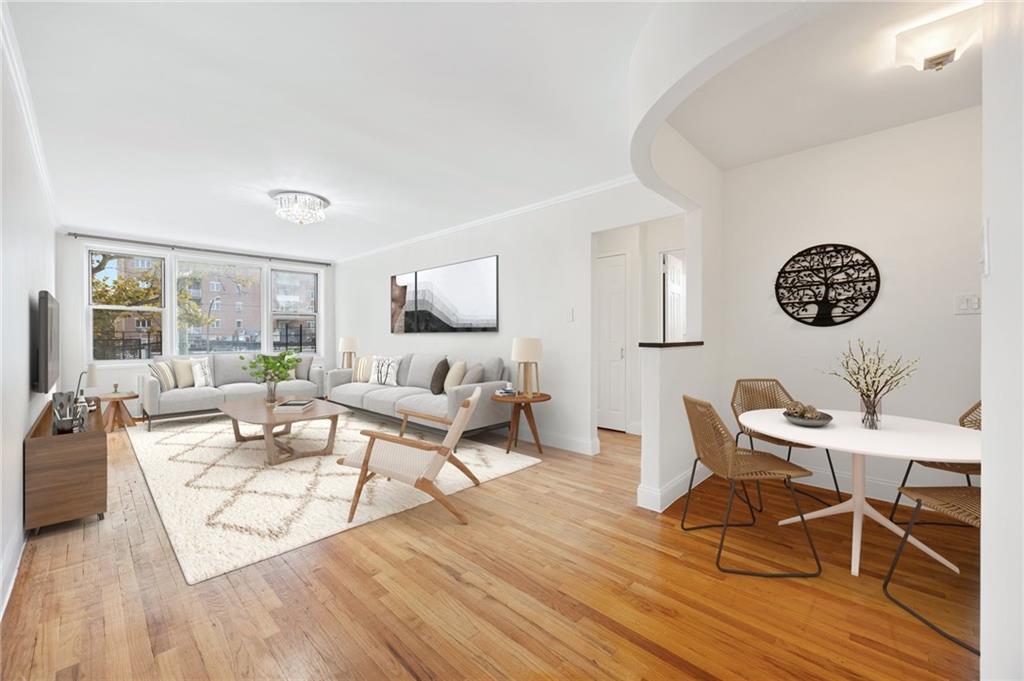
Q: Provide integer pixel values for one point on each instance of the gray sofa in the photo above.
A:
(413, 392)
(231, 381)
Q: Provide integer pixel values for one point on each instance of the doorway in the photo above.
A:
(673, 296)
(611, 321)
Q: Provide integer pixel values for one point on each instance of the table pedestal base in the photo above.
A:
(860, 508)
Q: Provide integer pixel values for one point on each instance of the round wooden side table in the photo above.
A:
(117, 414)
(522, 404)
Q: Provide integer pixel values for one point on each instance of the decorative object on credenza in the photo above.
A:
(272, 369)
(869, 372)
(68, 417)
(806, 415)
(348, 346)
(91, 381)
(527, 352)
(827, 285)
(458, 297)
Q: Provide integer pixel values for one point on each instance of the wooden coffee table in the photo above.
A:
(259, 413)
(522, 404)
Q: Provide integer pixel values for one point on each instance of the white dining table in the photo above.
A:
(897, 437)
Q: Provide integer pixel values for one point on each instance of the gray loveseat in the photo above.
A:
(231, 381)
(413, 392)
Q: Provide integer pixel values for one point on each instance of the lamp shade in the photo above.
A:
(91, 379)
(348, 344)
(527, 350)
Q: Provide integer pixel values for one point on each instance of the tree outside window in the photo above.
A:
(126, 303)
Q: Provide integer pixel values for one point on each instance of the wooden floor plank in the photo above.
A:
(557, 575)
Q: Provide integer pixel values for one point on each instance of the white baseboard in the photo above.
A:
(8, 588)
(658, 499)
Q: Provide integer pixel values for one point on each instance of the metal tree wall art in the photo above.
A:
(827, 285)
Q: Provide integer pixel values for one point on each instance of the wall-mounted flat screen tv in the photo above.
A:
(460, 297)
(44, 330)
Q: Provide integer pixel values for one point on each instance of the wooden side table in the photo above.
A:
(522, 404)
(117, 415)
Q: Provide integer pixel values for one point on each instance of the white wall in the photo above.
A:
(1002, 370)
(27, 267)
(909, 197)
(544, 290)
(656, 238)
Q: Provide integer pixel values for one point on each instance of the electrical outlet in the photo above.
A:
(572, 313)
(968, 303)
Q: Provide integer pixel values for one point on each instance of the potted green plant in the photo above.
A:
(873, 376)
(272, 369)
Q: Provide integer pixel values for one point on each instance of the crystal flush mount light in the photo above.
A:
(302, 208)
(937, 44)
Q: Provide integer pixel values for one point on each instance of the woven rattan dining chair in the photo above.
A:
(960, 503)
(769, 393)
(414, 462)
(717, 450)
(969, 419)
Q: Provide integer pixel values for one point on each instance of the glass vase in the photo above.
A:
(871, 413)
(271, 392)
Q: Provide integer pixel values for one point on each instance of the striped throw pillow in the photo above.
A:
(161, 371)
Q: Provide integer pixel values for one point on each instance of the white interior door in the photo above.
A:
(674, 296)
(610, 275)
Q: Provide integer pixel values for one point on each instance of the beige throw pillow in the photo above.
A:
(455, 376)
(183, 372)
(361, 374)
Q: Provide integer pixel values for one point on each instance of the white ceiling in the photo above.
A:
(829, 80)
(173, 121)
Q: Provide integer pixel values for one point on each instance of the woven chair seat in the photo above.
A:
(959, 503)
(961, 468)
(751, 464)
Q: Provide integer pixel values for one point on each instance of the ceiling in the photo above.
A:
(173, 121)
(831, 79)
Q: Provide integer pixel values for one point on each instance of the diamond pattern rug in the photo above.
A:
(224, 508)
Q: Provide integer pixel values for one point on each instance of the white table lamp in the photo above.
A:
(528, 352)
(348, 346)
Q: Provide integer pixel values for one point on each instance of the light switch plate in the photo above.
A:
(967, 303)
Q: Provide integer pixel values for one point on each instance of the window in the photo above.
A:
(294, 310)
(238, 323)
(126, 305)
(238, 284)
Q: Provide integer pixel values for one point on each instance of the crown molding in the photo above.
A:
(16, 72)
(479, 222)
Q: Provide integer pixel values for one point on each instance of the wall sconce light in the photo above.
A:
(935, 45)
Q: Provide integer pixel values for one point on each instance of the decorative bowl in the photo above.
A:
(823, 420)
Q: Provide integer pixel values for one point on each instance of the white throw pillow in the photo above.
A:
(201, 376)
(385, 370)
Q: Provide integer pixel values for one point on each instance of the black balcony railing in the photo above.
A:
(295, 336)
(128, 345)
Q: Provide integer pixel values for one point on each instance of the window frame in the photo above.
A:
(134, 254)
(168, 320)
(317, 312)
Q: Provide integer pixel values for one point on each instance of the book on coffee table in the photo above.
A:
(293, 406)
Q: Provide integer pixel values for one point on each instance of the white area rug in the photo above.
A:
(224, 508)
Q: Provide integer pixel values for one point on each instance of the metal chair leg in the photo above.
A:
(751, 573)
(686, 507)
(835, 481)
(899, 495)
(919, 616)
(789, 483)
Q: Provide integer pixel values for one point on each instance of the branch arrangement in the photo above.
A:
(867, 371)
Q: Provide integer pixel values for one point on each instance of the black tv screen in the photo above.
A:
(45, 343)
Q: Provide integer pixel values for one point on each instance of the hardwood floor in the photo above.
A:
(557, 575)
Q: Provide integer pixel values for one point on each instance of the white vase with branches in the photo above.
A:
(869, 372)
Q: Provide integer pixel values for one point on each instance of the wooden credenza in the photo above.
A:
(65, 475)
